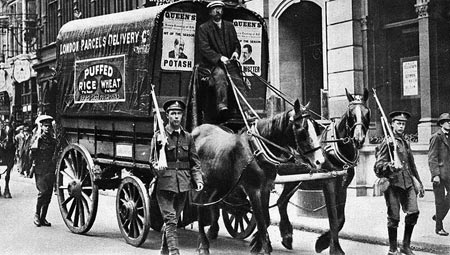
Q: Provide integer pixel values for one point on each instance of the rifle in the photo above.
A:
(162, 160)
(395, 160)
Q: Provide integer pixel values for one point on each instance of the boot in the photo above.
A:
(44, 222)
(7, 194)
(392, 232)
(37, 220)
(406, 248)
(172, 239)
(164, 248)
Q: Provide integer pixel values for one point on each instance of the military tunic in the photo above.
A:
(44, 167)
(401, 190)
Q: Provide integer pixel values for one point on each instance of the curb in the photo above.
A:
(415, 245)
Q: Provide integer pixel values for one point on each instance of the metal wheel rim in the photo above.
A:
(133, 210)
(76, 190)
(239, 226)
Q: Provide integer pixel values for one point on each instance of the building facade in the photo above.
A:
(319, 48)
(18, 54)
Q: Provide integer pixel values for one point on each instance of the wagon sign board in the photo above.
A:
(100, 80)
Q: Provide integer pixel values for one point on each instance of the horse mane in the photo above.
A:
(274, 128)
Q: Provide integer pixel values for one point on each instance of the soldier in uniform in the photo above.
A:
(174, 182)
(401, 191)
(42, 152)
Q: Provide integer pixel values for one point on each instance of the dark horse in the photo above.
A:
(341, 142)
(229, 163)
(7, 152)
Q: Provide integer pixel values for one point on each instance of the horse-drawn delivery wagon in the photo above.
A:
(106, 68)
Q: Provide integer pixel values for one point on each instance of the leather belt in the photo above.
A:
(178, 165)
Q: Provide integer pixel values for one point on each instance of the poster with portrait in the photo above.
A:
(178, 49)
(249, 33)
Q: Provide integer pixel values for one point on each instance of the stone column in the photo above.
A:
(426, 31)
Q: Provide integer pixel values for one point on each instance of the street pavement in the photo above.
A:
(363, 233)
(366, 221)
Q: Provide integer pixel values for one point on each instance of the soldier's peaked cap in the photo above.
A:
(444, 117)
(174, 104)
(215, 4)
(44, 119)
(399, 115)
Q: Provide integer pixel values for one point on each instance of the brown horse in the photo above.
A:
(7, 153)
(341, 142)
(229, 163)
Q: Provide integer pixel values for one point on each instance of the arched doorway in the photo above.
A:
(300, 52)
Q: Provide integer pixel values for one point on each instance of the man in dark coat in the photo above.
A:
(400, 170)
(42, 155)
(439, 163)
(175, 180)
(218, 44)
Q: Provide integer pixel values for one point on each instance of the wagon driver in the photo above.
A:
(401, 192)
(174, 182)
(42, 155)
(218, 44)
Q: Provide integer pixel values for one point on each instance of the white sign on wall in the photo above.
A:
(410, 76)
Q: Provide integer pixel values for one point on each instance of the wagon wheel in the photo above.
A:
(240, 222)
(133, 210)
(77, 193)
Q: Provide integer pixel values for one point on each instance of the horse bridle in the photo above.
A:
(305, 116)
(358, 123)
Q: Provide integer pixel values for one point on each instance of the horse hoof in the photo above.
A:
(212, 234)
(7, 195)
(203, 251)
(287, 242)
(322, 243)
(260, 253)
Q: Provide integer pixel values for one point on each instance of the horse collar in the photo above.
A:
(332, 149)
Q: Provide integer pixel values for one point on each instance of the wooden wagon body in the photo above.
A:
(106, 68)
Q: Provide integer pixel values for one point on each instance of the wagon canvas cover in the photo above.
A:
(103, 64)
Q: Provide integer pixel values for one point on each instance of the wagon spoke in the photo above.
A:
(245, 217)
(71, 210)
(126, 193)
(126, 224)
(86, 188)
(70, 167)
(236, 226)
(232, 218)
(67, 200)
(77, 214)
(81, 208)
(241, 223)
(86, 201)
(72, 155)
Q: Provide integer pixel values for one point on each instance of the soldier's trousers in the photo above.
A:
(170, 204)
(442, 201)
(44, 184)
(406, 199)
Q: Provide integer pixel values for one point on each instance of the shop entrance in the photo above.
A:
(301, 56)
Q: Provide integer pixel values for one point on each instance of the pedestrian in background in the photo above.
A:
(174, 182)
(19, 141)
(439, 163)
(401, 191)
(42, 155)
